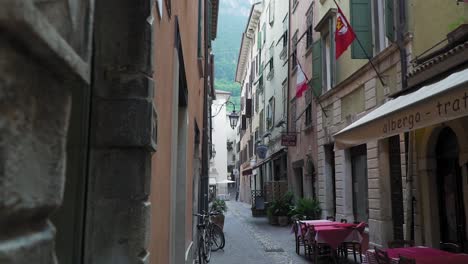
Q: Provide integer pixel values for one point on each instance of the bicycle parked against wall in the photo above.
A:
(210, 237)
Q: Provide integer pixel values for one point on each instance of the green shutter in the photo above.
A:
(389, 20)
(259, 41)
(362, 25)
(317, 67)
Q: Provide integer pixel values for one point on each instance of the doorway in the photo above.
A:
(450, 194)
(299, 182)
(360, 189)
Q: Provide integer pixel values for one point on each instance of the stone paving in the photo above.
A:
(252, 240)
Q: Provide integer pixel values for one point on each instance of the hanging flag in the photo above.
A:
(344, 34)
(301, 81)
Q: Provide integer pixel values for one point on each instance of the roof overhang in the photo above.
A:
(246, 41)
(436, 103)
(214, 18)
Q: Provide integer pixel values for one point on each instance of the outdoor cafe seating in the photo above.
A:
(327, 238)
(410, 254)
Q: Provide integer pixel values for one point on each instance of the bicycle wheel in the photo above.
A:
(207, 246)
(217, 237)
(201, 251)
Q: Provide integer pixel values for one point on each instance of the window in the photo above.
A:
(160, 8)
(310, 30)
(285, 98)
(293, 115)
(264, 33)
(317, 67)
(294, 52)
(262, 122)
(270, 62)
(308, 111)
(256, 102)
(327, 60)
(168, 7)
(270, 118)
(272, 12)
(260, 83)
(199, 42)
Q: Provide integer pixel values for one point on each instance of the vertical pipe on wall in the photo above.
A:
(204, 176)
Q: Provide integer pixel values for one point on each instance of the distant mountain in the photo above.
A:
(233, 15)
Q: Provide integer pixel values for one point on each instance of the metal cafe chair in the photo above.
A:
(405, 260)
(381, 256)
(400, 243)
(450, 247)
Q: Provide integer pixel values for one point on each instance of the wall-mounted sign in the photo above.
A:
(289, 139)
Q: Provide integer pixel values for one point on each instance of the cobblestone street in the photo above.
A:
(253, 240)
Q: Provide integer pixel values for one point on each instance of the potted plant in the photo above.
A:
(220, 207)
(271, 213)
(306, 209)
(284, 207)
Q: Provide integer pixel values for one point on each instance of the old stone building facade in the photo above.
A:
(87, 89)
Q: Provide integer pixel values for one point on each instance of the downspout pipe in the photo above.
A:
(205, 176)
(401, 32)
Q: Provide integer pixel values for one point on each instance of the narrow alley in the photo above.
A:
(252, 240)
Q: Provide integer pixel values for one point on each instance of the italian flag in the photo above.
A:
(301, 81)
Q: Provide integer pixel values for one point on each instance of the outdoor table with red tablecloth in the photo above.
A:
(333, 233)
(422, 255)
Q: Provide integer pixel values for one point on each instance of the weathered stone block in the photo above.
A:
(31, 245)
(33, 126)
(118, 231)
(121, 173)
(123, 123)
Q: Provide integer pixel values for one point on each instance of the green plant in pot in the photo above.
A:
(306, 209)
(272, 213)
(284, 207)
(220, 207)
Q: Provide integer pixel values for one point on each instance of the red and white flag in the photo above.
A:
(344, 34)
(301, 81)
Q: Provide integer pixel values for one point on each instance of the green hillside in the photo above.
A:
(233, 15)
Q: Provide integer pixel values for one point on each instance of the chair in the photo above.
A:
(354, 247)
(331, 218)
(400, 243)
(303, 239)
(299, 238)
(318, 250)
(381, 256)
(405, 260)
(450, 247)
(343, 220)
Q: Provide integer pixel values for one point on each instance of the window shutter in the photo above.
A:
(389, 20)
(248, 108)
(362, 25)
(259, 41)
(243, 122)
(317, 67)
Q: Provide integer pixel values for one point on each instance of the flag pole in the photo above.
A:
(363, 50)
(310, 87)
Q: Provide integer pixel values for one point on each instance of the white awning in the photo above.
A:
(225, 181)
(212, 181)
(439, 102)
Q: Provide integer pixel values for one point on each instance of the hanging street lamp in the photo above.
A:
(233, 116)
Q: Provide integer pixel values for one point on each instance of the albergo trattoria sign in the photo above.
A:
(445, 106)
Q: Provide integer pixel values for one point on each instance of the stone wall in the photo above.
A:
(122, 142)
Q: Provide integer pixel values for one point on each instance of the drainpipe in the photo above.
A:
(205, 176)
(401, 31)
(409, 227)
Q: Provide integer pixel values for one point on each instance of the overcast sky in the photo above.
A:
(236, 7)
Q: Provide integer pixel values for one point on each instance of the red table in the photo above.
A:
(422, 255)
(333, 233)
